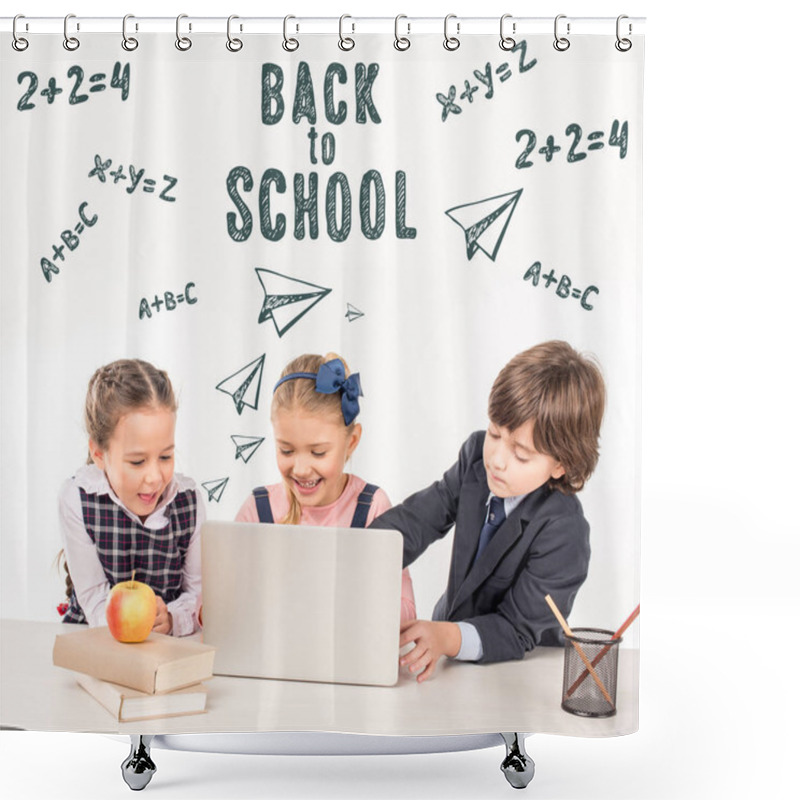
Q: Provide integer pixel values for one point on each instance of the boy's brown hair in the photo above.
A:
(563, 393)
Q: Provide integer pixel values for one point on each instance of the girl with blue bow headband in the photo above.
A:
(314, 408)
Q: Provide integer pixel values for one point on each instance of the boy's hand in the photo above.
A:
(432, 640)
(163, 622)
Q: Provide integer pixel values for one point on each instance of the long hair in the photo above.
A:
(301, 393)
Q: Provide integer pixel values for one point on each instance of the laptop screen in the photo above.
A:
(303, 603)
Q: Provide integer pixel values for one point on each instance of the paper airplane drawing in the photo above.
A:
(246, 446)
(286, 299)
(484, 222)
(215, 489)
(244, 386)
(353, 313)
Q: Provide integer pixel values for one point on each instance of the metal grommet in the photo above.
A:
(19, 43)
(129, 43)
(70, 42)
(623, 45)
(506, 42)
(183, 43)
(346, 42)
(290, 44)
(451, 42)
(401, 42)
(561, 43)
(233, 44)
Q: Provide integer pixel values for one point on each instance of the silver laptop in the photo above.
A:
(302, 603)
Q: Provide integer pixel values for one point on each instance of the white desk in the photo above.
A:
(460, 699)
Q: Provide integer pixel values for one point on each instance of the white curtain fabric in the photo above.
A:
(469, 204)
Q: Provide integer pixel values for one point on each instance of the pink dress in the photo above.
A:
(338, 514)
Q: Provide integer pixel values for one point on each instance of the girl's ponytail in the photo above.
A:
(295, 509)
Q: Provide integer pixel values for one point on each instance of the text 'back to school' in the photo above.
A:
(271, 206)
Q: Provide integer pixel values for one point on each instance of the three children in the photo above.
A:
(520, 533)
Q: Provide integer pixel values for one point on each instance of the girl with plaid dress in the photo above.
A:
(127, 509)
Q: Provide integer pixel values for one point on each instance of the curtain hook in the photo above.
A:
(19, 43)
(70, 42)
(401, 42)
(129, 43)
(183, 43)
(290, 44)
(451, 42)
(623, 45)
(506, 42)
(233, 44)
(561, 43)
(346, 42)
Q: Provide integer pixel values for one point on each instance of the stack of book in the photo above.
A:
(159, 677)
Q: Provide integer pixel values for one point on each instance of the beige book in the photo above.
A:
(131, 705)
(158, 664)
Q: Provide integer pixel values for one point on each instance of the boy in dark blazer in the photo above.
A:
(520, 533)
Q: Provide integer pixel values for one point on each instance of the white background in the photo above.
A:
(719, 529)
(427, 365)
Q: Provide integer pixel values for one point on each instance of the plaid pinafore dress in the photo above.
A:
(124, 545)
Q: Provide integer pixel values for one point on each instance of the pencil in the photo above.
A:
(578, 649)
(599, 657)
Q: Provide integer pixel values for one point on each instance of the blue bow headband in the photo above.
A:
(330, 378)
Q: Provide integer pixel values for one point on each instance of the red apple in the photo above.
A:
(131, 611)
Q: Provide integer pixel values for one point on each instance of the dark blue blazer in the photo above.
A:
(541, 548)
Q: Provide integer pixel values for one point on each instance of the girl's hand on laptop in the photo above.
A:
(432, 640)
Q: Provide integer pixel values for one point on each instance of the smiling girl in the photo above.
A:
(314, 407)
(127, 509)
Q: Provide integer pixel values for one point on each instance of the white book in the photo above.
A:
(130, 705)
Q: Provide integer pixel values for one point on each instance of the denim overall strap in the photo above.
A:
(363, 505)
(262, 504)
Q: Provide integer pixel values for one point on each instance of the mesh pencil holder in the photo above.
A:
(590, 673)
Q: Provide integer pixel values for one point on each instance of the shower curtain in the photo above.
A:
(220, 204)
